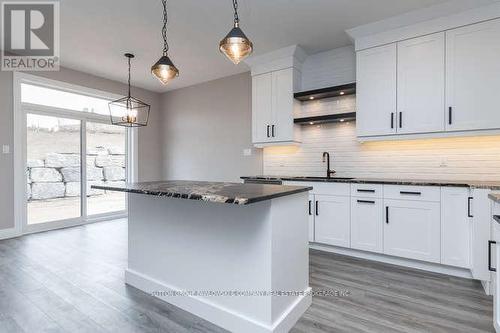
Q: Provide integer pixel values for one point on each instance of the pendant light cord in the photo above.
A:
(129, 77)
(236, 18)
(164, 28)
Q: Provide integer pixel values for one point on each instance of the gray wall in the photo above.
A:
(205, 129)
(150, 161)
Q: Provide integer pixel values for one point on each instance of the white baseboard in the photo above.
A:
(430, 267)
(223, 317)
(9, 233)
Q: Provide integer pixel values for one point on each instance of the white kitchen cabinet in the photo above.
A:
(332, 220)
(311, 218)
(367, 226)
(481, 233)
(273, 107)
(456, 226)
(376, 91)
(420, 84)
(473, 77)
(412, 229)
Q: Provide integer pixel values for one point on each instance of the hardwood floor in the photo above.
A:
(71, 280)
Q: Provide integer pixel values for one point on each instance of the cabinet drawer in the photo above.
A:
(417, 193)
(343, 189)
(367, 190)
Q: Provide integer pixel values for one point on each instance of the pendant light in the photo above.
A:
(164, 69)
(236, 46)
(129, 111)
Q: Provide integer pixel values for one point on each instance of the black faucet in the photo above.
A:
(329, 172)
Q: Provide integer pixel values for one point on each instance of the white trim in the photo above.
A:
(223, 317)
(395, 29)
(9, 233)
(425, 266)
(20, 109)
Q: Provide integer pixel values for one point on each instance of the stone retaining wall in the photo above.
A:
(58, 175)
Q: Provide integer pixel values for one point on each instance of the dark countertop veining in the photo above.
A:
(495, 197)
(473, 184)
(232, 193)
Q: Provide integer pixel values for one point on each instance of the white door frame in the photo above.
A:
(20, 112)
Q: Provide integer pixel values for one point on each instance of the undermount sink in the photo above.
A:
(326, 178)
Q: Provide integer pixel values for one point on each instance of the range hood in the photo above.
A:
(317, 94)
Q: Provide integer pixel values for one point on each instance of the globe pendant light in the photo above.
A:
(129, 111)
(236, 46)
(164, 69)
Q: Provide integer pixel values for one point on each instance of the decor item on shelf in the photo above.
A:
(164, 69)
(236, 46)
(129, 111)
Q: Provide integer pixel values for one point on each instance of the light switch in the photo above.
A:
(6, 149)
(247, 152)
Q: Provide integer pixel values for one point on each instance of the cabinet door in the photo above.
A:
(261, 107)
(311, 218)
(412, 229)
(332, 220)
(481, 212)
(455, 226)
(420, 93)
(367, 225)
(376, 91)
(282, 106)
(473, 76)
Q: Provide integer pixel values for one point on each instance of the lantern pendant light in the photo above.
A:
(129, 111)
(164, 69)
(236, 46)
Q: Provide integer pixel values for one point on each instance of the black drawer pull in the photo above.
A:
(367, 191)
(272, 131)
(392, 119)
(366, 201)
(268, 131)
(387, 214)
(450, 115)
(410, 193)
(469, 214)
(310, 213)
(489, 256)
(317, 208)
(401, 120)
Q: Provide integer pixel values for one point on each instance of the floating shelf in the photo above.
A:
(342, 90)
(331, 118)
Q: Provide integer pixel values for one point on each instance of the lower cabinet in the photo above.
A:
(367, 228)
(412, 229)
(311, 218)
(332, 220)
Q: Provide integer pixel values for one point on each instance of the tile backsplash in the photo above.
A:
(460, 158)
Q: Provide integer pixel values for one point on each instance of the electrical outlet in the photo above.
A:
(6, 149)
(247, 152)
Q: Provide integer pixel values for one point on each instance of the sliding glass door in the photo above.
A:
(69, 142)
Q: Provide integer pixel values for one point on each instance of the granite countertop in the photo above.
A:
(423, 182)
(231, 193)
(495, 197)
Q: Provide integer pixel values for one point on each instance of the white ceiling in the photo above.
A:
(96, 33)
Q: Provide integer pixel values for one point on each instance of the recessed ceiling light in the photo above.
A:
(342, 92)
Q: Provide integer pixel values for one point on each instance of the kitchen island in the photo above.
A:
(234, 254)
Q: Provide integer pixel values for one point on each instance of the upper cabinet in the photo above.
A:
(438, 83)
(473, 77)
(420, 88)
(376, 91)
(275, 78)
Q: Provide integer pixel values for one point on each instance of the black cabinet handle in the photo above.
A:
(469, 214)
(450, 114)
(489, 256)
(272, 131)
(268, 131)
(387, 214)
(367, 191)
(366, 201)
(317, 208)
(400, 119)
(410, 193)
(392, 119)
(310, 213)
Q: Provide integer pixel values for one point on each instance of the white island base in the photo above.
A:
(188, 245)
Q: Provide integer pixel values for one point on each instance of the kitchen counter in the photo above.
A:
(231, 193)
(215, 260)
(495, 197)
(473, 184)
